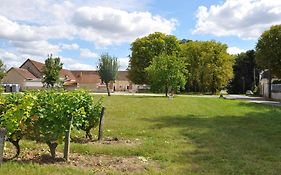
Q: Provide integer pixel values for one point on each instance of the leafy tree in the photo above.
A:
(246, 74)
(209, 65)
(145, 49)
(2, 69)
(167, 73)
(107, 69)
(51, 71)
(268, 52)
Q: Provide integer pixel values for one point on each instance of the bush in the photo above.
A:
(47, 115)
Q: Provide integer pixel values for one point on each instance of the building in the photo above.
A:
(87, 79)
(91, 80)
(23, 78)
(29, 76)
(264, 86)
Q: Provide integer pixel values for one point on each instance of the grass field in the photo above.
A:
(185, 135)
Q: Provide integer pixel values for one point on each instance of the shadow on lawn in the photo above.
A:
(246, 144)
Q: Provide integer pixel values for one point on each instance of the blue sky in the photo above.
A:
(79, 31)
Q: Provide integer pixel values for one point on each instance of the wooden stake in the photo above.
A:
(67, 141)
(101, 124)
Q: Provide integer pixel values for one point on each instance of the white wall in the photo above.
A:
(276, 96)
(29, 84)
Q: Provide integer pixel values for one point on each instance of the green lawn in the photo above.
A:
(181, 136)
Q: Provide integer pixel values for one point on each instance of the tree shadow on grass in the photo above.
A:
(245, 144)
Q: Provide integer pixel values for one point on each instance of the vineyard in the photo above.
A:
(47, 116)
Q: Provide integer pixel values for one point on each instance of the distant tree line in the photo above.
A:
(197, 66)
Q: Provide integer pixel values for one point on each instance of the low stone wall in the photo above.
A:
(276, 96)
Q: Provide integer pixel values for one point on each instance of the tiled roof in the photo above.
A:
(25, 73)
(63, 73)
(122, 76)
(85, 77)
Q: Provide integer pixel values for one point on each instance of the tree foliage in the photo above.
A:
(167, 73)
(268, 52)
(145, 49)
(209, 65)
(108, 69)
(51, 71)
(2, 69)
(246, 74)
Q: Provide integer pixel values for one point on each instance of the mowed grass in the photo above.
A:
(185, 135)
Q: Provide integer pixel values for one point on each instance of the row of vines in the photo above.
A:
(48, 116)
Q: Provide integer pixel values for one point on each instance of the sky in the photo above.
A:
(79, 31)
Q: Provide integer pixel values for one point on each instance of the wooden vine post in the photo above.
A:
(101, 124)
(67, 141)
(2, 143)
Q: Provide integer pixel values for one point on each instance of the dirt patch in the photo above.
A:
(108, 141)
(97, 163)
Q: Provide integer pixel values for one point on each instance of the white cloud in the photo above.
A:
(79, 66)
(245, 19)
(13, 31)
(9, 59)
(34, 30)
(106, 25)
(123, 63)
(73, 46)
(87, 53)
(235, 50)
(36, 48)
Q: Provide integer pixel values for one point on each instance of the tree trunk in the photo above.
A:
(101, 124)
(52, 147)
(107, 88)
(16, 144)
(166, 90)
(88, 134)
(67, 141)
(269, 82)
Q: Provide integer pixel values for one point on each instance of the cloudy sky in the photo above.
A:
(79, 31)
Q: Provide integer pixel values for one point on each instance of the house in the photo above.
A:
(123, 84)
(264, 85)
(87, 79)
(36, 68)
(22, 77)
(91, 80)
(29, 76)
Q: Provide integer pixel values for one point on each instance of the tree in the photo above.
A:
(167, 73)
(2, 69)
(268, 52)
(51, 71)
(209, 65)
(145, 49)
(108, 68)
(245, 71)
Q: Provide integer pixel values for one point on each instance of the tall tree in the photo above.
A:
(268, 53)
(245, 71)
(209, 65)
(107, 69)
(145, 49)
(167, 73)
(2, 69)
(51, 71)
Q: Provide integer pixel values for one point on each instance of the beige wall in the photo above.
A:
(121, 85)
(13, 77)
(31, 68)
